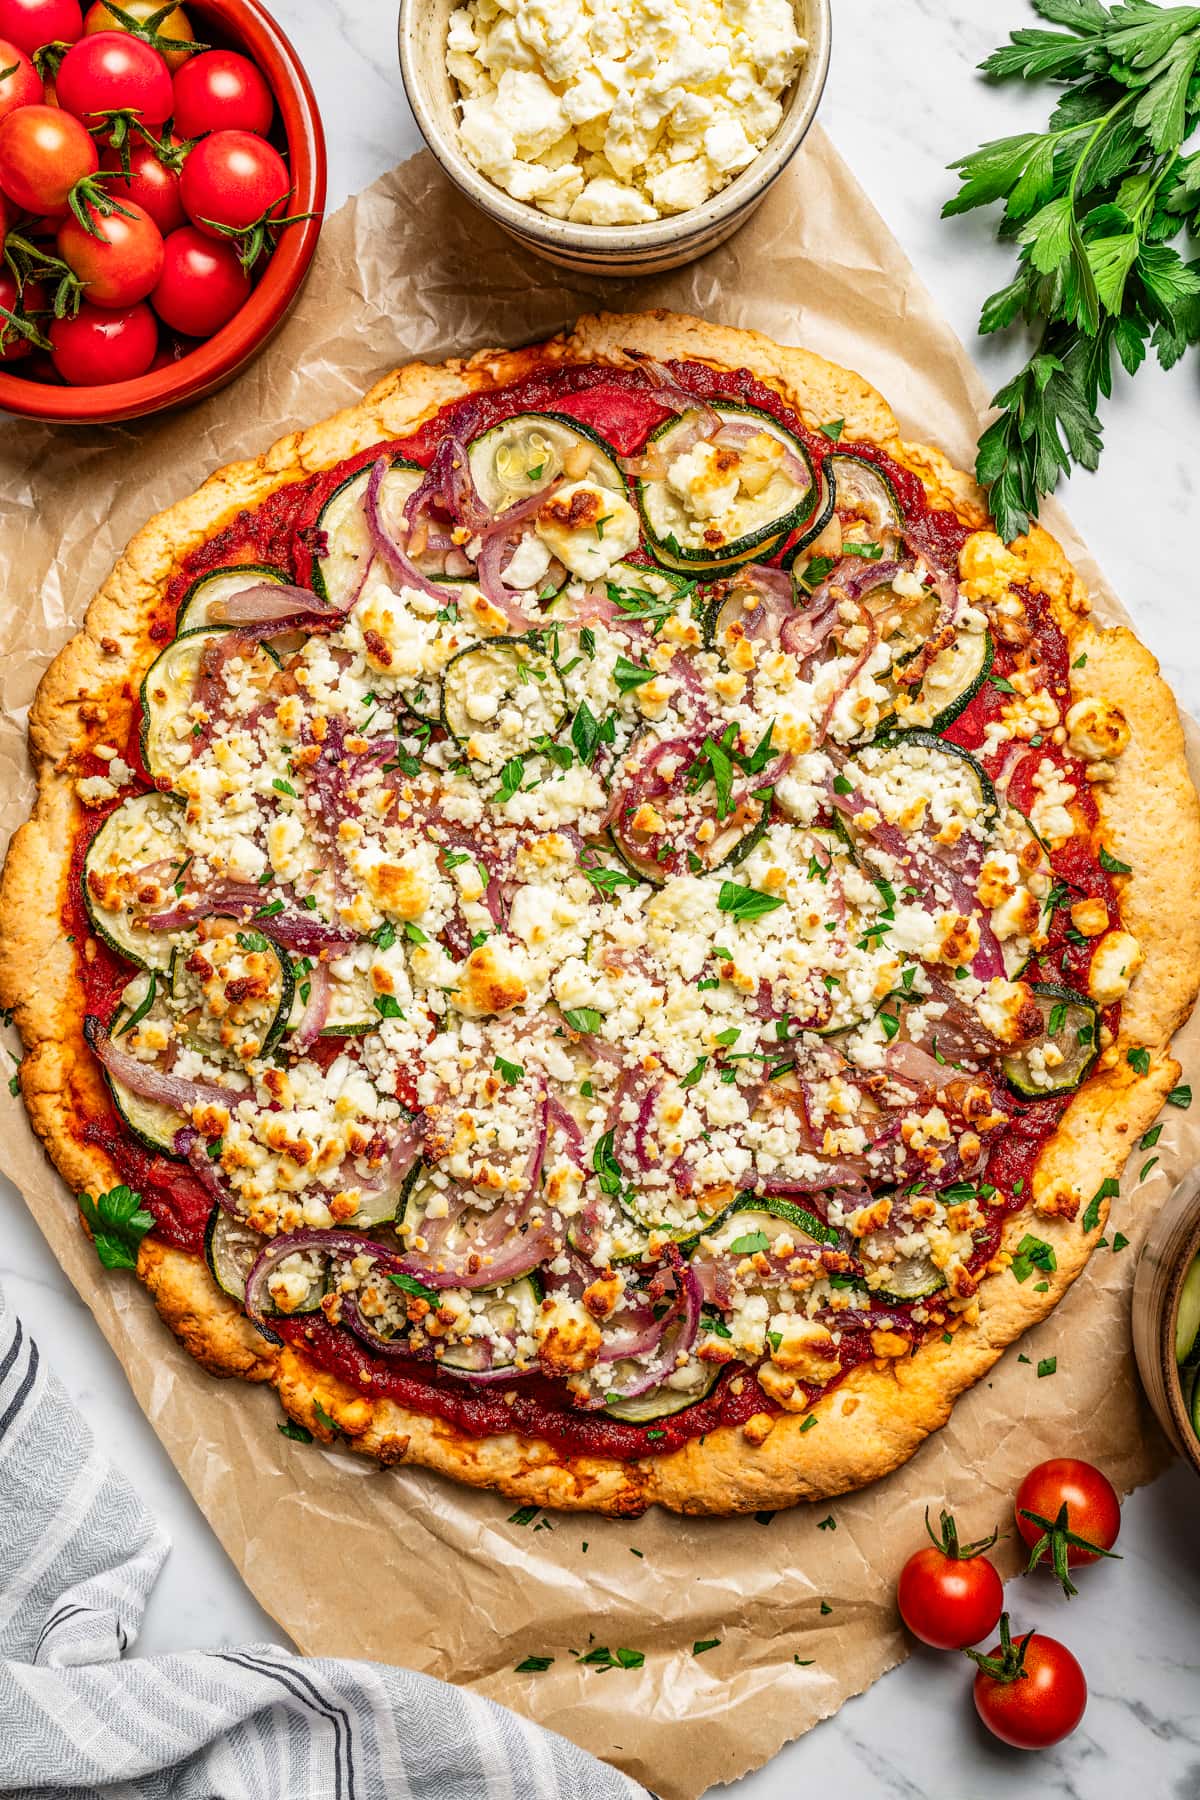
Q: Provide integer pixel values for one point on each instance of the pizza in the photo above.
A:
(614, 935)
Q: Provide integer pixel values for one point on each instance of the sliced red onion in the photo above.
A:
(493, 552)
(316, 1013)
(267, 603)
(347, 1244)
(677, 1330)
(670, 393)
(448, 484)
(152, 1083)
(846, 682)
(387, 545)
(738, 432)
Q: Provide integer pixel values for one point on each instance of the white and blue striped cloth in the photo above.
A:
(78, 1721)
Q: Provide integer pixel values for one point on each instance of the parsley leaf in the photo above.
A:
(583, 1018)
(745, 903)
(117, 1224)
(629, 675)
(511, 1071)
(1111, 864)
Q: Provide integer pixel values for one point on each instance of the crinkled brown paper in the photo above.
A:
(399, 1565)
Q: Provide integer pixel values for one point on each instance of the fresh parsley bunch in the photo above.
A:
(1093, 204)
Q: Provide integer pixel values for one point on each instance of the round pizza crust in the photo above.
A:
(874, 1419)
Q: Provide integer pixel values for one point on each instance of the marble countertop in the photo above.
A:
(902, 101)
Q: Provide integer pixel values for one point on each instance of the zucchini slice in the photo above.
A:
(198, 1003)
(338, 568)
(754, 497)
(151, 1123)
(202, 603)
(1187, 1318)
(1063, 1059)
(686, 1233)
(145, 831)
(752, 1223)
(960, 782)
(485, 681)
(907, 1279)
(168, 692)
(949, 684)
(417, 1191)
(508, 1311)
(661, 1402)
(524, 454)
(861, 489)
(231, 1250)
(811, 530)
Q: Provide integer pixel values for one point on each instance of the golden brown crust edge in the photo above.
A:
(876, 1418)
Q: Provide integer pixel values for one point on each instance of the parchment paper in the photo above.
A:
(399, 1565)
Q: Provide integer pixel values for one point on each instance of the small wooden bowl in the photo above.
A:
(247, 26)
(604, 249)
(1166, 1256)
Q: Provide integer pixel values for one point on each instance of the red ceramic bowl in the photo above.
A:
(247, 26)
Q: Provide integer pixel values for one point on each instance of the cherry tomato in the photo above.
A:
(949, 1594)
(202, 284)
(114, 72)
(232, 178)
(150, 183)
(31, 23)
(1068, 1511)
(119, 260)
(43, 153)
(221, 91)
(175, 26)
(12, 345)
(102, 345)
(20, 83)
(1031, 1694)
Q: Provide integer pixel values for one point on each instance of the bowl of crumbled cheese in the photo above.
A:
(620, 136)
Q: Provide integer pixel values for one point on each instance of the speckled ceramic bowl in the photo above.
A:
(604, 249)
(1166, 1256)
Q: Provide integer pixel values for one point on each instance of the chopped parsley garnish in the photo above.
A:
(1139, 1061)
(745, 903)
(817, 571)
(388, 1007)
(1111, 864)
(869, 552)
(608, 1169)
(703, 1644)
(750, 1243)
(604, 1658)
(524, 1515)
(833, 429)
(299, 1434)
(1047, 1366)
(696, 1071)
(511, 777)
(829, 1523)
(534, 1665)
(1108, 1190)
(1180, 1096)
(284, 787)
(511, 1071)
(384, 936)
(411, 1285)
(588, 733)
(583, 1018)
(607, 879)
(630, 675)
(1033, 1253)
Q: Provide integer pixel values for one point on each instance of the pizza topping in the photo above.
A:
(564, 954)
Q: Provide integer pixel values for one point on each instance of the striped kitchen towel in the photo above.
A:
(254, 1724)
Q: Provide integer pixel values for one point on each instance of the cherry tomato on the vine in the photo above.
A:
(202, 284)
(43, 153)
(221, 91)
(149, 181)
(1030, 1694)
(118, 260)
(232, 178)
(13, 344)
(20, 83)
(176, 26)
(1068, 1511)
(102, 345)
(114, 72)
(949, 1594)
(32, 23)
